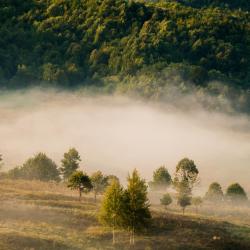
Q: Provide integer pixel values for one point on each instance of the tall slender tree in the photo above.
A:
(112, 207)
(186, 176)
(136, 205)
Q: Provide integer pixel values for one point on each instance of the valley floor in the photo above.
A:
(36, 215)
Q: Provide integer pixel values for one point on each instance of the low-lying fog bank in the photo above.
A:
(116, 134)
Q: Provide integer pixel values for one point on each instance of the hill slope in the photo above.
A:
(72, 43)
(37, 215)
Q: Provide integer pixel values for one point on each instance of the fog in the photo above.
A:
(116, 134)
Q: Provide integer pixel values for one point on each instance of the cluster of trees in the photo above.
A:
(41, 167)
(234, 193)
(114, 42)
(126, 208)
(240, 4)
(185, 178)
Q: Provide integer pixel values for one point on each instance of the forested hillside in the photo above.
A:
(79, 42)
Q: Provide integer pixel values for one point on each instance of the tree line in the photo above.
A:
(127, 208)
(111, 43)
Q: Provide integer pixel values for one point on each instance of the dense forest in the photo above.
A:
(141, 46)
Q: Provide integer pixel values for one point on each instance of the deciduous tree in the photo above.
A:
(166, 200)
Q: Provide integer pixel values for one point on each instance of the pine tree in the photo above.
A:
(112, 207)
(80, 181)
(70, 163)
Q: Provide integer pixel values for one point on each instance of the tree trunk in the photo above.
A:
(196, 210)
(80, 194)
(183, 210)
(130, 237)
(95, 196)
(113, 235)
(133, 236)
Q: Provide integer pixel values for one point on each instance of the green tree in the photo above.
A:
(99, 182)
(81, 182)
(136, 212)
(184, 201)
(197, 202)
(236, 194)
(214, 193)
(40, 167)
(166, 200)
(70, 163)
(161, 179)
(112, 207)
(186, 176)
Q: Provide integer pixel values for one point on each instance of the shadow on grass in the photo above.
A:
(12, 241)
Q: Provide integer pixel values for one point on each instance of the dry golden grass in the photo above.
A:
(37, 215)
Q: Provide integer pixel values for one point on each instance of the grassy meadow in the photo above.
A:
(37, 215)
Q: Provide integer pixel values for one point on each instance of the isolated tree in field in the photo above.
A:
(136, 212)
(166, 200)
(186, 176)
(40, 167)
(236, 194)
(70, 163)
(214, 193)
(99, 182)
(161, 179)
(81, 182)
(184, 201)
(197, 202)
(112, 207)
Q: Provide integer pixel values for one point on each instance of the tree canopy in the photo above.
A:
(236, 193)
(81, 182)
(214, 193)
(161, 179)
(40, 167)
(72, 43)
(70, 163)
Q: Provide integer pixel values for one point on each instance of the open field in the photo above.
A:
(36, 215)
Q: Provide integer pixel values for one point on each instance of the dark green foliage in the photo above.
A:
(240, 4)
(236, 194)
(70, 163)
(39, 167)
(81, 182)
(68, 42)
(166, 200)
(161, 179)
(214, 193)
